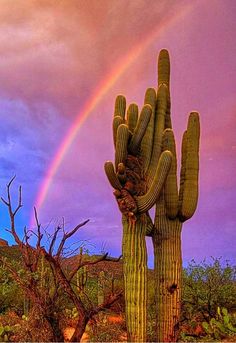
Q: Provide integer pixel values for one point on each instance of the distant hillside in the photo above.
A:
(11, 252)
(109, 267)
(112, 269)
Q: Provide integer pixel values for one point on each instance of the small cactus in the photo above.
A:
(221, 326)
(81, 278)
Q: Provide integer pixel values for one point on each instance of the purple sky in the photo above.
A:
(53, 55)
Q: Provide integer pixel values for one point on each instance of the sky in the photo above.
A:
(62, 63)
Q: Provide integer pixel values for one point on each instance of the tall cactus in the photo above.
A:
(145, 160)
(172, 209)
(133, 135)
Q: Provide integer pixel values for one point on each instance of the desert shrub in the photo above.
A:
(207, 286)
(11, 298)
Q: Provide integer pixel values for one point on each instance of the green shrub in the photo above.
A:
(11, 298)
(207, 286)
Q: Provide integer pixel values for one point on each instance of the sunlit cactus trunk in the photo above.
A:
(168, 276)
(176, 205)
(135, 277)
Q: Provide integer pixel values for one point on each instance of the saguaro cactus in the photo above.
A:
(81, 278)
(144, 149)
(172, 209)
(133, 137)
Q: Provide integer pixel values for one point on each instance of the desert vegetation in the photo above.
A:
(208, 306)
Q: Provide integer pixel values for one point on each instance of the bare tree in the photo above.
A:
(43, 297)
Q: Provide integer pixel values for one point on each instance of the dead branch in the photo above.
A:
(54, 237)
(107, 304)
(104, 257)
(40, 235)
(62, 279)
(12, 213)
(68, 235)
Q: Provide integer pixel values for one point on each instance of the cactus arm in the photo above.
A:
(145, 202)
(171, 188)
(120, 106)
(132, 117)
(158, 131)
(163, 68)
(168, 124)
(121, 144)
(164, 77)
(190, 192)
(117, 121)
(146, 145)
(140, 129)
(111, 175)
(183, 169)
(150, 98)
(121, 173)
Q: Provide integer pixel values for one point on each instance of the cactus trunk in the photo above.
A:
(168, 276)
(135, 277)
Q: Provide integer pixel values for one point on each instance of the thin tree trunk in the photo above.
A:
(168, 274)
(79, 329)
(135, 277)
(57, 332)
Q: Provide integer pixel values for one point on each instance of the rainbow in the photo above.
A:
(95, 99)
